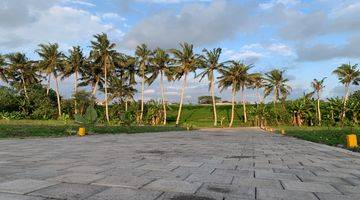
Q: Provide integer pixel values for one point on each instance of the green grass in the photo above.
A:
(53, 128)
(333, 136)
(202, 115)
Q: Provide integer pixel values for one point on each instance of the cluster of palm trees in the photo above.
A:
(114, 73)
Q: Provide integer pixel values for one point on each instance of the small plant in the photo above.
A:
(89, 119)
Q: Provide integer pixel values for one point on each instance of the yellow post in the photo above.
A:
(351, 141)
(81, 131)
(282, 132)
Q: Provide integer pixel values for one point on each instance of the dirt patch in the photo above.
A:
(190, 197)
(219, 189)
(239, 157)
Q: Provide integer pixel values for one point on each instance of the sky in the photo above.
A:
(308, 39)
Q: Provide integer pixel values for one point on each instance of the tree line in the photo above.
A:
(114, 73)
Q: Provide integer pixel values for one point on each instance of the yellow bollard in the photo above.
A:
(282, 132)
(351, 141)
(81, 131)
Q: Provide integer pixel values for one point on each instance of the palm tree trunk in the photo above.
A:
(106, 96)
(232, 107)
(318, 108)
(24, 85)
(181, 99)
(347, 88)
(244, 103)
(95, 87)
(48, 85)
(163, 95)
(126, 105)
(142, 94)
(75, 91)
(58, 95)
(212, 89)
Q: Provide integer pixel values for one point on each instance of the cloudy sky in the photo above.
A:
(308, 39)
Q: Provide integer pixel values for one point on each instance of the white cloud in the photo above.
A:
(281, 49)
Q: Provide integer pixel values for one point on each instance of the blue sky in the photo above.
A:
(307, 38)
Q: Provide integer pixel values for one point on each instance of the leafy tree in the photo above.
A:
(160, 66)
(52, 63)
(103, 53)
(186, 61)
(348, 74)
(84, 100)
(143, 54)
(210, 64)
(3, 71)
(75, 64)
(318, 86)
(276, 82)
(257, 82)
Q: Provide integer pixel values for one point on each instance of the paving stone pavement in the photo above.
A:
(208, 164)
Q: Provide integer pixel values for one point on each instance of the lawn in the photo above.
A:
(333, 136)
(54, 128)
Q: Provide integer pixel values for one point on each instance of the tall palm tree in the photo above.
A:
(75, 65)
(143, 54)
(22, 72)
(276, 82)
(348, 74)
(52, 63)
(103, 52)
(318, 86)
(160, 66)
(92, 75)
(3, 70)
(186, 61)
(229, 78)
(211, 64)
(257, 82)
(243, 79)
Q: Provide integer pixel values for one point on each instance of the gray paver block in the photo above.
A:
(271, 175)
(169, 185)
(23, 186)
(77, 178)
(125, 194)
(68, 191)
(265, 194)
(6, 196)
(257, 182)
(185, 164)
(347, 189)
(203, 178)
(123, 181)
(85, 169)
(226, 191)
(310, 187)
(326, 196)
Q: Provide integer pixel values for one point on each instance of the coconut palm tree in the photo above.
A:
(243, 79)
(229, 78)
(103, 53)
(348, 74)
(318, 86)
(92, 75)
(186, 61)
(276, 82)
(160, 66)
(52, 63)
(143, 54)
(257, 82)
(211, 64)
(75, 64)
(2, 68)
(22, 72)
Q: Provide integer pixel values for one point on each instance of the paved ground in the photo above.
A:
(200, 165)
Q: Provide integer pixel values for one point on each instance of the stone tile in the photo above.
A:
(326, 196)
(86, 169)
(310, 186)
(77, 178)
(169, 185)
(157, 167)
(6, 196)
(23, 186)
(226, 191)
(265, 194)
(346, 189)
(326, 179)
(203, 178)
(257, 182)
(236, 173)
(118, 193)
(123, 181)
(185, 164)
(69, 191)
(265, 174)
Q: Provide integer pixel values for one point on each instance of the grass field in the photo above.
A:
(333, 136)
(53, 128)
(202, 115)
